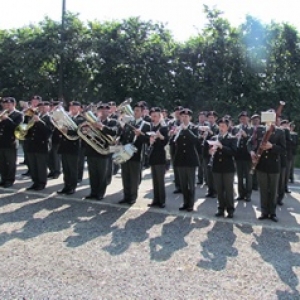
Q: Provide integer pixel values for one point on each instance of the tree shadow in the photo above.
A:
(274, 248)
(217, 247)
(172, 237)
(134, 231)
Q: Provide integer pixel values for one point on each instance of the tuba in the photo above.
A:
(94, 137)
(125, 110)
(61, 120)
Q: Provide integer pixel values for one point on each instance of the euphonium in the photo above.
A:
(61, 120)
(94, 137)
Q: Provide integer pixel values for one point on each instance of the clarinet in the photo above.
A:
(211, 160)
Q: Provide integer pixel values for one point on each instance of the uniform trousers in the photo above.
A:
(70, 170)
(209, 176)
(158, 182)
(281, 184)
(243, 168)
(8, 166)
(38, 164)
(187, 177)
(176, 173)
(131, 178)
(98, 172)
(268, 186)
(54, 160)
(224, 186)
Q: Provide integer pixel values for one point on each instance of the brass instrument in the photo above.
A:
(126, 112)
(61, 120)
(94, 137)
(22, 129)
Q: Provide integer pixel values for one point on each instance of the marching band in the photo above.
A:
(110, 137)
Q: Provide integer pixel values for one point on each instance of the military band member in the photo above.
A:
(99, 165)
(113, 114)
(173, 124)
(185, 138)
(222, 161)
(294, 138)
(285, 159)
(54, 159)
(8, 143)
(133, 132)
(268, 169)
(243, 132)
(157, 156)
(202, 122)
(214, 129)
(69, 150)
(38, 138)
(35, 100)
(255, 122)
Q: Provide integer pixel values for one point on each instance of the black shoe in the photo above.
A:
(279, 202)
(183, 207)
(190, 209)
(55, 176)
(177, 191)
(50, 175)
(22, 163)
(288, 191)
(79, 180)
(210, 195)
(26, 174)
(32, 187)
(239, 198)
(219, 214)
(230, 215)
(263, 217)
(273, 218)
(70, 192)
(63, 191)
(7, 185)
(91, 196)
(131, 202)
(123, 201)
(39, 188)
(2, 183)
(200, 182)
(153, 204)
(248, 199)
(255, 188)
(162, 205)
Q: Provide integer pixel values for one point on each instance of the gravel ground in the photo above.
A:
(53, 248)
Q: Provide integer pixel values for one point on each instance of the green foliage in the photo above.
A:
(223, 68)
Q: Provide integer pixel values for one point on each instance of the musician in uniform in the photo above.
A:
(214, 130)
(99, 164)
(184, 139)
(222, 162)
(243, 132)
(285, 159)
(173, 124)
(69, 150)
(202, 122)
(157, 156)
(268, 168)
(9, 120)
(35, 100)
(133, 133)
(294, 145)
(54, 160)
(113, 114)
(38, 138)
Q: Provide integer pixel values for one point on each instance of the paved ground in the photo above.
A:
(54, 247)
